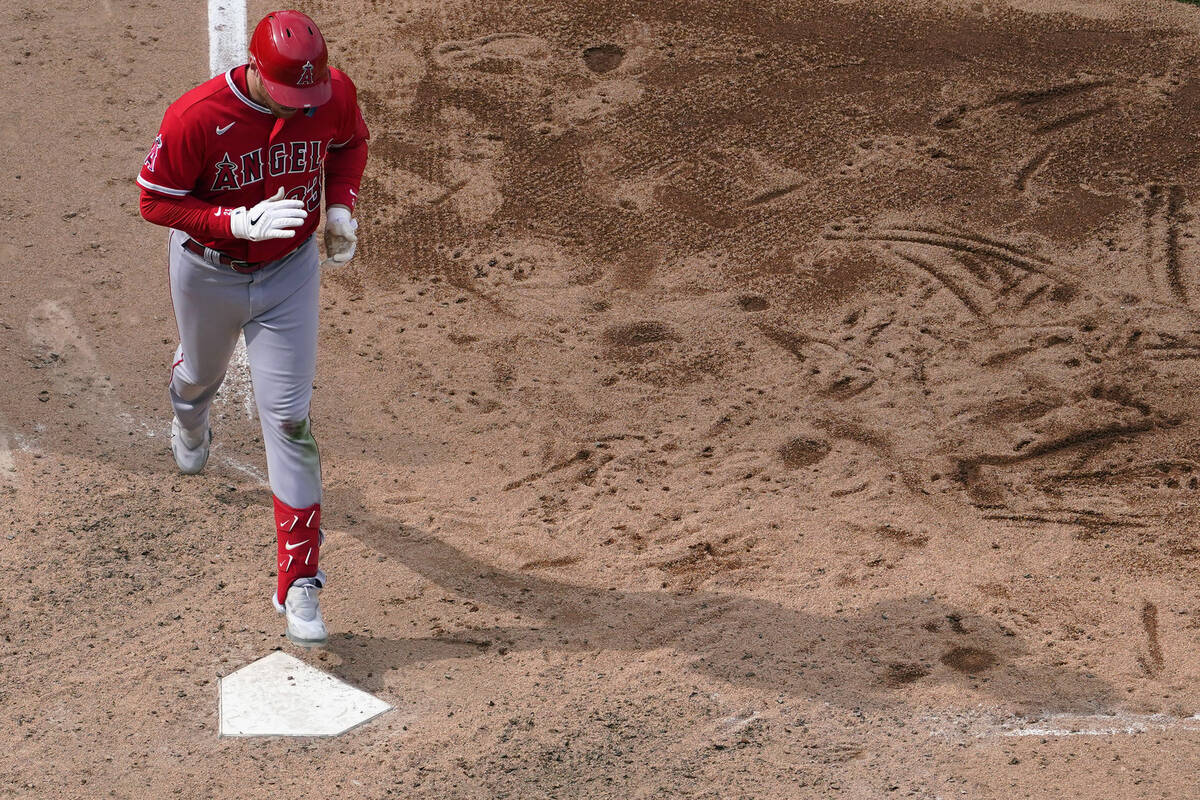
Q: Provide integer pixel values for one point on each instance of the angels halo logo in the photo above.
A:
(306, 74)
(152, 156)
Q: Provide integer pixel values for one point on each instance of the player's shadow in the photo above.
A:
(854, 659)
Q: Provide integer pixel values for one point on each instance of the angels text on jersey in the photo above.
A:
(281, 158)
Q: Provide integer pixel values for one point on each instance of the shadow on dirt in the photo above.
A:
(861, 658)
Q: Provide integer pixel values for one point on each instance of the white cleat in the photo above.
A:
(302, 609)
(190, 450)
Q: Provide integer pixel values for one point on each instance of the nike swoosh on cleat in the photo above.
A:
(221, 130)
(294, 545)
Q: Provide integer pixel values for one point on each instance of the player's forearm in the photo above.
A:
(343, 174)
(194, 217)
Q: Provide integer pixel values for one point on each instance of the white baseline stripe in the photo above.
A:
(227, 49)
(164, 189)
(226, 34)
(973, 724)
(8, 467)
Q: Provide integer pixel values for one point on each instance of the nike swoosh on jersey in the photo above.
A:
(294, 545)
(221, 130)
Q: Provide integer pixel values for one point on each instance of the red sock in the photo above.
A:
(298, 543)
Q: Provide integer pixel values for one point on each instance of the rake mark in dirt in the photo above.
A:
(1033, 294)
(578, 458)
(1006, 356)
(1070, 119)
(952, 119)
(1035, 96)
(548, 563)
(793, 343)
(772, 194)
(959, 243)
(1151, 206)
(1030, 167)
(1153, 662)
(968, 468)
(979, 238)
(1175, 202)
(1082, 520)
(944, 279)
(978, 269)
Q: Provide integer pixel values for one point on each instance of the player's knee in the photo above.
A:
(298, 431)
(301, 444)
(190, 392)
(191, 383)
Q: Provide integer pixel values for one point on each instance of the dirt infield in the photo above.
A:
(734, 400)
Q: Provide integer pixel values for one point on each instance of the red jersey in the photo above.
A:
(218, 149)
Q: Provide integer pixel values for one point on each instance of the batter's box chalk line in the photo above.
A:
(280, 695)
(237, 390)
(1117, 723)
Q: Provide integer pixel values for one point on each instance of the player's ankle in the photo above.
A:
(193, 438)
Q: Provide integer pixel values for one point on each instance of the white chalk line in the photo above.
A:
(237, 390)
(63, 348)
(227, 49)
(8, 466)
(1103, 725)
(249, 470)
(978, 725)
(226, 34)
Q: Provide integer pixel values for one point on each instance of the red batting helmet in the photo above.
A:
(289, 52)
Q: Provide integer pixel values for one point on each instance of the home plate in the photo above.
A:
(280, 695)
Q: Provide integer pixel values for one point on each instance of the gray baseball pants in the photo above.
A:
(276, 309)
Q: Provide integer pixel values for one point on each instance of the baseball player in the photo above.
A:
(236, 174)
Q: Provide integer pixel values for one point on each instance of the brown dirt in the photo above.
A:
(729, 400)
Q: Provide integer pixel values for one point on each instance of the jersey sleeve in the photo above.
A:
(347, 156)
(193, 216)
(175, 159)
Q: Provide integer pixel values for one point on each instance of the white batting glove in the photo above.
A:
(273, 218)
(340, 238)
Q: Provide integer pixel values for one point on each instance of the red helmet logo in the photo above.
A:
(290, 55)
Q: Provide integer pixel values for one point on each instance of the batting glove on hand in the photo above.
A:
(340, 238)
(273, 218)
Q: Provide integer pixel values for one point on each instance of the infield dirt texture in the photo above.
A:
(729, 400)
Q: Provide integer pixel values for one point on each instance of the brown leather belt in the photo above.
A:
(192, 246)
